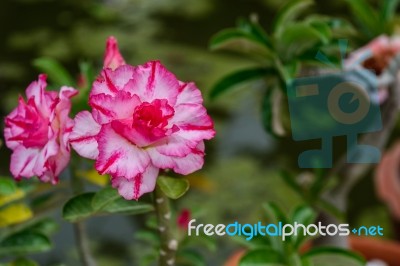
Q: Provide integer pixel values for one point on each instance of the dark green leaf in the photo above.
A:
(289, 12)
(55, 71)
(238, 77)
(388, 10)
(7, 186)
(24, 243)
(291, 182)
(174, 188)
(123, 206)
(104, 197)
(329, 256)
(262, 257)
(366, 15)
(79, 207)
(256, 31)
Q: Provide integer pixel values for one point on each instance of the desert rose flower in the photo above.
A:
(377, 56)
(37, 132)
(143, 119)
(387, 180)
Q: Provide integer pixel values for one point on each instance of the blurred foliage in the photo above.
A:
(66, 39)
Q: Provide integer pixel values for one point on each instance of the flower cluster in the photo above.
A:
(143, 119)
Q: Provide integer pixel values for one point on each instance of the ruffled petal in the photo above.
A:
(23, 161)
(118, 156)
(107, 108)
(153, 81)
(181, 165)
(110, 82)
(83, 135)
(136, 187)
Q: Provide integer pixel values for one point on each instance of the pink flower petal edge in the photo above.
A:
(37, 131)
(112, 57)
(143, 119)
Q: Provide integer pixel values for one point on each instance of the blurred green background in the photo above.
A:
(243, 162)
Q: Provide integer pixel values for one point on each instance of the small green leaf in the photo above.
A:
(7, 186)
(24, 243)
(174, 188)
(79, 207)
(274, 213)
(123, 206)
(23, 262)
(289, 12)
(329, 256)
(55, 71)
(302, 215)
(238, 77)
(262, 257)
(104, 197)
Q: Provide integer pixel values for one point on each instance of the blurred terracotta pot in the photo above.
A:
(370, 248)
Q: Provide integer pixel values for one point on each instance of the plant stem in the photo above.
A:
(169, 244)
(81, 238)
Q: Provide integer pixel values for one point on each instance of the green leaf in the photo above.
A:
(24, 243)
(7, 186)
(302, 215)
(289, 12)
(366, 15)
(239, 41)
(104, 197)
(262, 257)
(274, 213)
(123, 206)
(388, 10)
(329, 256)
(238, 77)
(55, 71)
(256, 31)
(79, 207)
(297, 38)
(23, 262)
(174, 188)
(46, 226)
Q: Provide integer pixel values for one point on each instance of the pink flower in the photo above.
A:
(183, 219)
(37, 131)
(143, 119)
(387, 179)
(377, 56)
(112, 57)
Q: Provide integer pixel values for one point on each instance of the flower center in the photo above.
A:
(149, 123)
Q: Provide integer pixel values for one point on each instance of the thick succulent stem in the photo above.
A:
(169, 244)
